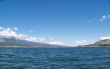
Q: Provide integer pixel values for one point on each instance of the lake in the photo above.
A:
(55, 58)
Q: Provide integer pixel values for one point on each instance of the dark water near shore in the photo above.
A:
(55, 58)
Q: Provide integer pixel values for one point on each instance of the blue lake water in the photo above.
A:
(55, 58)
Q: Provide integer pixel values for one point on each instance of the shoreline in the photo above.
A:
(52, 47)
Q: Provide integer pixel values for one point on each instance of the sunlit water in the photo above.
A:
(55, 58)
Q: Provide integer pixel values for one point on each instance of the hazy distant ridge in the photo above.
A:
(105, 42)
(101, 43)
(12, 41)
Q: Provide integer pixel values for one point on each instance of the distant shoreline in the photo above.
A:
(51, 47)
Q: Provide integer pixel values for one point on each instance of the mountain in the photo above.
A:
(16, 42)
(100, 43)
(105, 42)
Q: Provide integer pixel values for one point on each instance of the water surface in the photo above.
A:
(55, 58)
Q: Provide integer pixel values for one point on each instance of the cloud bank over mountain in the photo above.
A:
(9, 32)
(12, 32)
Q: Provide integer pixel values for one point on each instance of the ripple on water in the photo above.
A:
(67, 58)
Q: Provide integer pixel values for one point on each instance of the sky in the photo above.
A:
(64, 22)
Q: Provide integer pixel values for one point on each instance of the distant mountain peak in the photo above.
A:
(13, 41)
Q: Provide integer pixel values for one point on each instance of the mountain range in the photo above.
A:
(16, 42)
(11, 41)
(101, 43)
(105, 42)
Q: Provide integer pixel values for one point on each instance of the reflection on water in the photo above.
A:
(55, 58)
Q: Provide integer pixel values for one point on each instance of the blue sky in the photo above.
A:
(59, 20)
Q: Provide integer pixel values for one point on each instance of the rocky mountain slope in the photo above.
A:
(105, 42)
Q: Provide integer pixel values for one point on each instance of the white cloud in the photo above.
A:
(105, 18)
(30, 38)
(15, 28)
(83, 42)
(1, 28)
(103, 38)
(56, 42)
(8, 32)
(37, 39)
